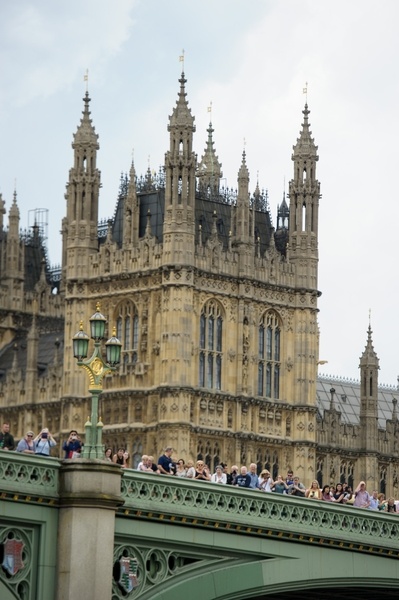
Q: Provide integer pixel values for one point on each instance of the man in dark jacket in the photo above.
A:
(6, 439)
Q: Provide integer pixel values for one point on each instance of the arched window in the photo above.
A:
(127, 331)
(211, 346)
(269, 365)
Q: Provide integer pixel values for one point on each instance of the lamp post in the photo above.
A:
(97, 369)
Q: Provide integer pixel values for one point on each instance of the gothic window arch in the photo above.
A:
(269, 355)
(127, 331)
(211, 346)
(346, 470)
(209, 452)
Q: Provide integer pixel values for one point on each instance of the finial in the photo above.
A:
(369, 317)
(305, 91)
(97, 307)
(210, 111)
(86, 79)
(181, 59)
(148, 160)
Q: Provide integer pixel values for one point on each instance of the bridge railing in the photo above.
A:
(28, 475)
(209, 505)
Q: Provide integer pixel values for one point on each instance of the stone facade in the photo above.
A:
(216, 311)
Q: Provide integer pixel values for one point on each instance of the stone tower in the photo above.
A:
(216, 315)
(369, 365)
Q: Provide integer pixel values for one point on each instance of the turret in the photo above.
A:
(242, 220)
(209, 170)
(131, 217)
(15, 250)
(369, 365)
(180, 168)
(304, 194)
(82, 197)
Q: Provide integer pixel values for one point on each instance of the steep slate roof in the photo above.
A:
(347, 399)
(46, 349)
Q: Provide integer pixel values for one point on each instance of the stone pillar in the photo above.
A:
(89, 497)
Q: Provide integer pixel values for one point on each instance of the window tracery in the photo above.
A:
(127, 331)
(211, 346)
(269, 361)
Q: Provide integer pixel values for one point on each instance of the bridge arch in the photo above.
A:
(287, 578)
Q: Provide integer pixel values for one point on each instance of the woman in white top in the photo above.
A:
(265, 481)
(219, 476)
(180, 468)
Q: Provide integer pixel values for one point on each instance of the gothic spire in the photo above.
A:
(180, 184)
(243, 173)
(209, 169)
(283, 214)
(369, 356)
(181, 115)
(85, 133)
(305, 146)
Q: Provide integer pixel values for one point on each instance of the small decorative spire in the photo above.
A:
(243, 173)
(86, 79)
(209, 171)
(394, 411)
(369, 356)
(86, 133)
(332, 392)
(305, 146)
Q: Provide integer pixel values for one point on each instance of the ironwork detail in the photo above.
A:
(158, 566)
(30, 475)
(255, 513)
(17, 571)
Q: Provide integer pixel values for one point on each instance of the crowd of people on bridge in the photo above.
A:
(248, 477)
(243, 477)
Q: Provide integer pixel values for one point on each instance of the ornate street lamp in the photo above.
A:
(97, 368)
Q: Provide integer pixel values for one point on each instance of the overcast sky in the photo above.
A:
(252, 59)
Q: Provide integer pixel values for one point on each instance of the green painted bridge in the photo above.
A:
(177, 539)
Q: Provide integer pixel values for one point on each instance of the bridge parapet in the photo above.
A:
(226, 508)
(28, 476)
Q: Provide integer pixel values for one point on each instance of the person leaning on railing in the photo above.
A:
(26, 445)
(314, 492)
